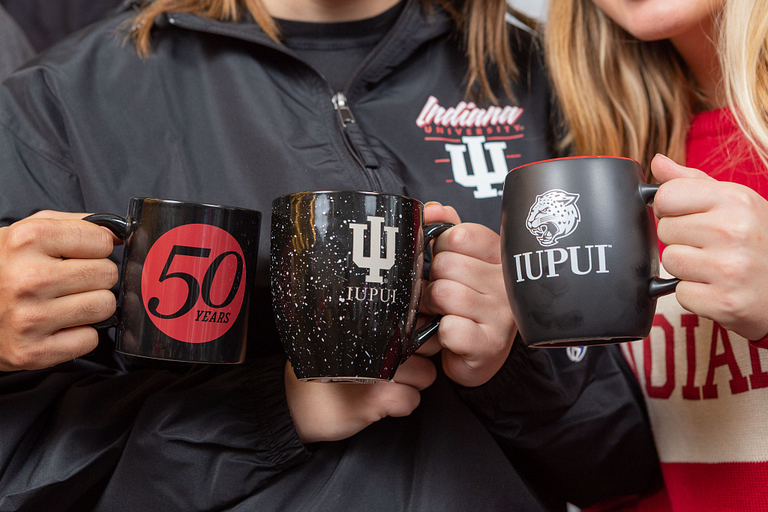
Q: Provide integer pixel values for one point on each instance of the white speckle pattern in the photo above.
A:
(333, 324)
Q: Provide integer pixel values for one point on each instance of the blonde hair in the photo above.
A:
(744, 59)
(482, 24)
(625, 97)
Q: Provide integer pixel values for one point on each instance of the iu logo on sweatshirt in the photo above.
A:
(475, 141)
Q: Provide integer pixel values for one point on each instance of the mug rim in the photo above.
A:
(193, 203)
(579, 157)
(287, 197)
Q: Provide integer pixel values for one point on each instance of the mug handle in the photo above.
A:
(658, 287)
(121, 228)
(115, 223)
(431, 232)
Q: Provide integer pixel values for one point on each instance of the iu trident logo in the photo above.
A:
(481, 178)
(374, 262)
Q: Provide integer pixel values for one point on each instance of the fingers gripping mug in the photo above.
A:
(185, 281)
(579, 251)
(346, 270)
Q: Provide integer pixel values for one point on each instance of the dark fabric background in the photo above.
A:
(47, 21)
(14, 47)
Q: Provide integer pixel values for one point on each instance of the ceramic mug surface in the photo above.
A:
(185, 281)
(580, 252)
(346, 270)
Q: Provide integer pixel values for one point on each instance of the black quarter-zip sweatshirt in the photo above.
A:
(220, 113)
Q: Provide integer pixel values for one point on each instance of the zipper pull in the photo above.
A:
(354, 136)
(340, 104)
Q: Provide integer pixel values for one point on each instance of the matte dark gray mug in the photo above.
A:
(579, 251)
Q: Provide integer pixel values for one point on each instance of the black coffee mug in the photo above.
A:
(185, 282)
(347, 270)
(579, 251)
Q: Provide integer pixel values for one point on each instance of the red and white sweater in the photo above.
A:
(707, 388)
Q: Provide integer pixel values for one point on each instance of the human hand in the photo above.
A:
(467, 287)
(55, 280)
(716, 235)
(337, 410)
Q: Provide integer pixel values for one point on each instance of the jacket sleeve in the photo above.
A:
(36, 164)
(576, 428)
(81, 436)
(90, 434)
(15, 48)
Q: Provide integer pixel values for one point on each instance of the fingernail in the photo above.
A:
(665, 157)
(430, 203)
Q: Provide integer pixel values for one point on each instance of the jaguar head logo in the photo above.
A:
(554, 215)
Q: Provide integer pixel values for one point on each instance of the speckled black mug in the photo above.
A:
(346, 271)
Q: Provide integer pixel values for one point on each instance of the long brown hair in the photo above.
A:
(482, 24)
(625, 97)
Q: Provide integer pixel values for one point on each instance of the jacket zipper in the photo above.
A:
(354, 138)
(350, 132)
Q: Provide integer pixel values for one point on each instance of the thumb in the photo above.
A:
(665, 169)
(436, 212)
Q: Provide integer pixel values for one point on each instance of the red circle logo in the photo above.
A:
(193, 282)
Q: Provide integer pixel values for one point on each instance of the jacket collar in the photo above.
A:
(413, 28)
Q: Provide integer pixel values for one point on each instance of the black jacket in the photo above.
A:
(46, 22)
(220, 113)
(15, 49)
